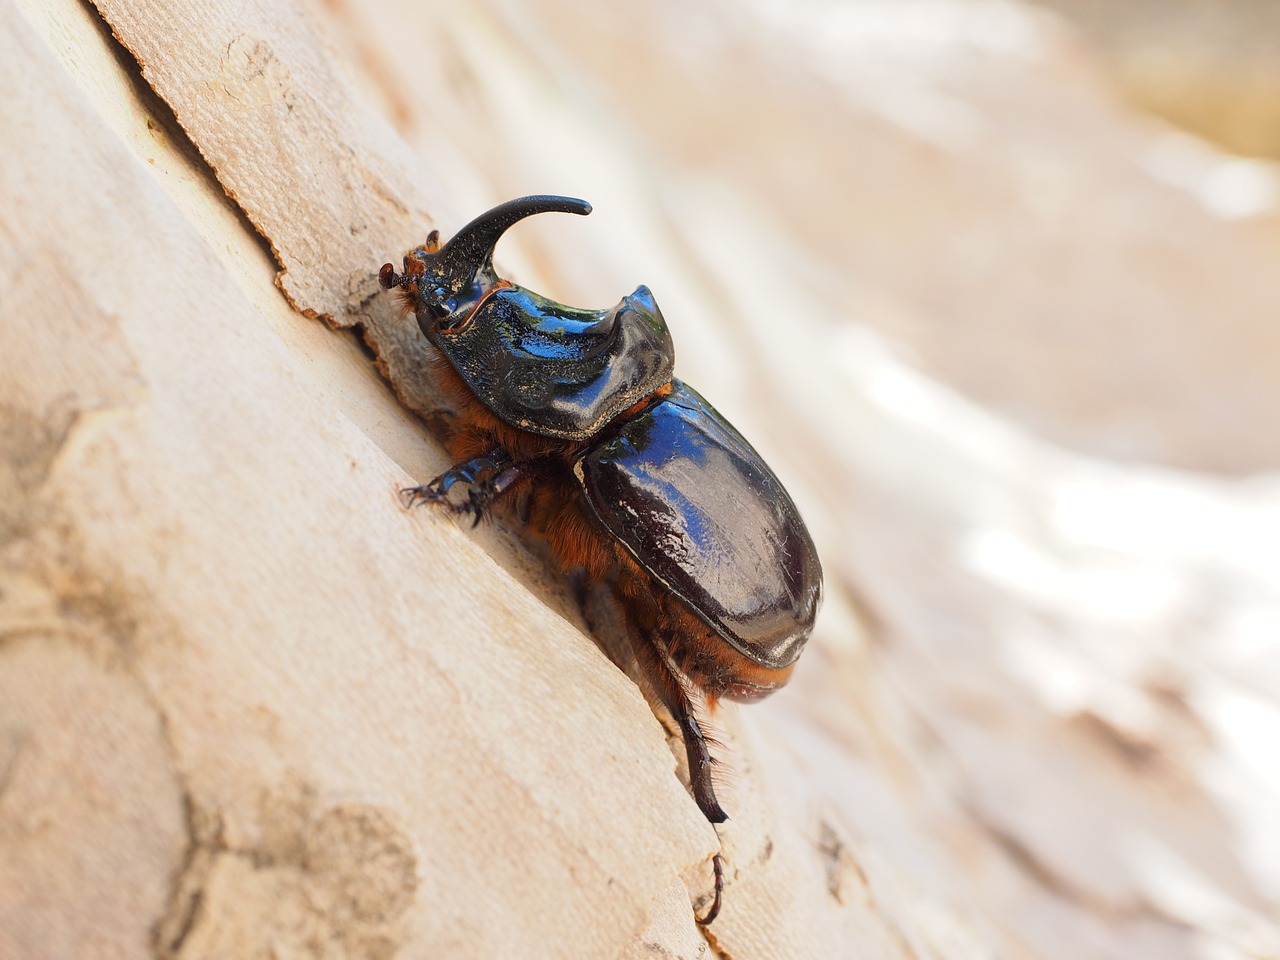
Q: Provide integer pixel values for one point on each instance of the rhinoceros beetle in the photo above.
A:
(629, 477)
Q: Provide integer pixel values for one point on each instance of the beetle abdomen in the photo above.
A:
(699, 509)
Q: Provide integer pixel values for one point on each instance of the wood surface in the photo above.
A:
(250, 706)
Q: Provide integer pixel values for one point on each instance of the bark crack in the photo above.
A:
(182, 139)
(19, 741)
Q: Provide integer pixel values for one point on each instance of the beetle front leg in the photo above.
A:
(469, 472)
(488, 476)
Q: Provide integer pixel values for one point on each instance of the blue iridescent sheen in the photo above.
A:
(699, 509)
(542, 366)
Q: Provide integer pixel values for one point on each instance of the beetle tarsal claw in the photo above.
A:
(412, 496)
(479, 496)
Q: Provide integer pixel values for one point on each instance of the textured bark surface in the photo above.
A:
(251, 707)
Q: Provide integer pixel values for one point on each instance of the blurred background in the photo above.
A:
(994, 286)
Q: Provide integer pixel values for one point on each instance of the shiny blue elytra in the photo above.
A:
(698, 508)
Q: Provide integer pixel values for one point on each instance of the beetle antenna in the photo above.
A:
(388, 277)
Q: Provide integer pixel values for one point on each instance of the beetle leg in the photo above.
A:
(488, 476)
(717, 864)
(482, 495)
(665, 680)
(469, 472)
(670, 689)
(700, 764)
(602, 618)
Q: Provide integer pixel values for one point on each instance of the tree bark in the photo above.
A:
(250, 706)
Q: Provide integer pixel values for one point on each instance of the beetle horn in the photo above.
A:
(470, 250)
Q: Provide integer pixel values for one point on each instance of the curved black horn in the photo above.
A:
(470, 248)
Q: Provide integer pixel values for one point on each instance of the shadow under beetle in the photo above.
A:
(629, 477)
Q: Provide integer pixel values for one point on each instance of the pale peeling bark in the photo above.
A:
(251, 707)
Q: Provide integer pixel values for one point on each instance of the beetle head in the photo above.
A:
(539, 365)
(445, 284)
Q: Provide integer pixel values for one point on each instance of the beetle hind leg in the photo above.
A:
(670, 688)
(717, 864)
(701, 764)
(666, 682)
